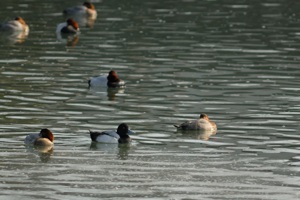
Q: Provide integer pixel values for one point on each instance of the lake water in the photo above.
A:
(237, 61)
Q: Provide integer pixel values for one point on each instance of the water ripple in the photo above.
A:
(231, 61)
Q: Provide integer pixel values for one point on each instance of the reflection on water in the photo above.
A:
(13, 38)
(235, 62)
(69, 40)
(110, 93)
(44, 153)
(197, 134)
(121, 150)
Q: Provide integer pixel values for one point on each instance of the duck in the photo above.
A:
(203, 123)
(111, 136)
(112, 80)
(86, 9)
(68, 27)
(16, 25)
(44, 138)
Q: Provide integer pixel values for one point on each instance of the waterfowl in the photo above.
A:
(112, 80)
(44, 138)
(70, 27)
(16, 25)
(120, 136)
(86, 9)
(203, 123)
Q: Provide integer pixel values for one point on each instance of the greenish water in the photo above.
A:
(236, 61)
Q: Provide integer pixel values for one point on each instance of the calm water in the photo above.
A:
(237, 61)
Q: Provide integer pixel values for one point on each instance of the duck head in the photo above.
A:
(204, 116)
(123, 133)
(122, 129)
(71, 22)
(21, 20)
(46, 133)
(112, 76)
(89, 5)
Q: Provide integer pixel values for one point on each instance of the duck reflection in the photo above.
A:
(121, 150)
(68, 40)
(44, 152)
(45, 156)
(197, 134)
(13, 38)
(111, 93)
(105, 147)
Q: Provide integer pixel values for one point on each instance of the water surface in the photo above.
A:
(235, 61)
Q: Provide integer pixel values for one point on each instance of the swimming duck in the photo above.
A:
(120, 136)
(203, 123)
(70, 26)
(16, 25)
(44, 138)
(86, 9)
(112, 80)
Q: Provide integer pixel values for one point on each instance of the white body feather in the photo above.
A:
(14, 26)
(31, 138)
(199, 124)
(108, 137)
(81, 11)
(61, 26)
(99, 81)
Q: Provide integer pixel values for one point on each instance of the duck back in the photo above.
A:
(31, 138)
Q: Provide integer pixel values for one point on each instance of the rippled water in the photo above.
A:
(236, 61)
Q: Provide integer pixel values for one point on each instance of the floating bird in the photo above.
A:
(203, 123)
(69, 27)
(16, 25)
(44, 138)
(86, 9)
(112, 80)
(120, 136)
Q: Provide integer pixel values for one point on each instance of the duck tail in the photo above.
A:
(176, 126)
(94, 135)
(65, 11)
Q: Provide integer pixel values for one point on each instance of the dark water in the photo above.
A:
(237, 61)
